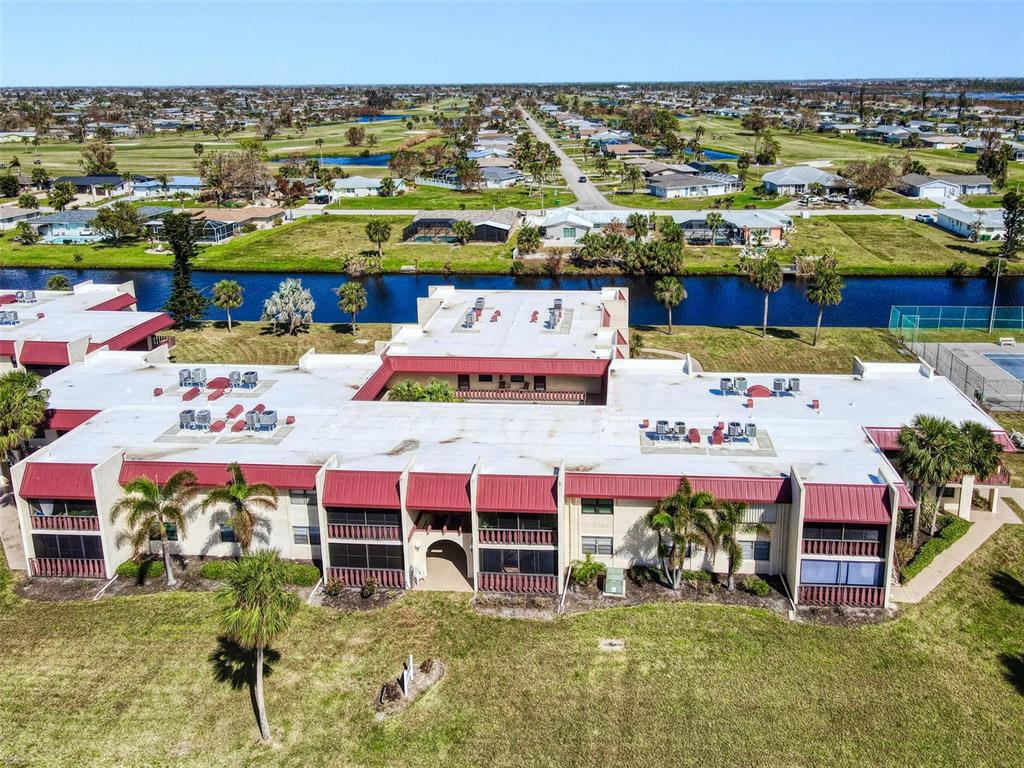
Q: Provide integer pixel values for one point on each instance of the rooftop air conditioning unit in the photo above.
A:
(741, 383)
(12, 317)
(558, 305)
(198, 376)
(750, 429)
(186, 419)
(479, 303)
(203, 419)
(184, 377)
(268, 419)
(235, 379)
(250, 379)
(794, 385)
(470, 319)
(252, 420)
(735, 429)
(30, 296)
(19, 295)
(725, 384)
(680, 427)
(779, 385)
(3, 317)
(661, 427)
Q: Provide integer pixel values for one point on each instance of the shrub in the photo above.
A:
(517, 268)
(392, 691)
(302, 574)
(952, 529)
(247, 228)
(140, 571)
(643, 574)
(334, 587)
(695, 576)
(755, 585)
(958, 268)
(215, 570)
(369, 588)
(587, 570)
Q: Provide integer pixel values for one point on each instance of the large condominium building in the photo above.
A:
(559, 448)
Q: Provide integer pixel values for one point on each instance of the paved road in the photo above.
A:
(587, 194)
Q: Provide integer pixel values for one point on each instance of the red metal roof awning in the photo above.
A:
(7, 347)
(44, 353)
(64, 419)
(906, 500)
(835, 503)
(119, 302)
(438, 491)
(299, 477)
(516, 493)
(139, 332)
(753, 490)
(888, 438)
(350, 488)
(52, 480)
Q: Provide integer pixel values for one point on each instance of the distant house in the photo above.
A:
(75, 227)
(740, 227)
(621, 151)
(437, 226)
(101, 185)
(799, 179)
(943, 187)
(11, 216)
(220, 224)
(840, 128)
(189, 185)
(673, 185)
(494, 177)
(500, 178)
(1016, 149)
(890, 134)
(944, 141)
(354, 186)
(964, 222)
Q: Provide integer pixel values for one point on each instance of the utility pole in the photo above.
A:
(995, 290)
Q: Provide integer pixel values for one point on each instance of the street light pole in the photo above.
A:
(995, 290)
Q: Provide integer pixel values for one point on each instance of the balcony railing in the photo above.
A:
(524, 395)
(65, 523)
(356, 577)
(67, 567)
(866, 597)
(516, 536)
(533, 583)
(169, 341)
(376, 532)
(841, 548)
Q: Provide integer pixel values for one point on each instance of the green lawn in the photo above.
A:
(128, 681)
(982, 201)
(886, 198)
(435, 198)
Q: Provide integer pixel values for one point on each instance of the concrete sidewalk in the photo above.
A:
(10, 533)
(985, 524)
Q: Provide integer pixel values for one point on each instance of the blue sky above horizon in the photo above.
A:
(269, 42)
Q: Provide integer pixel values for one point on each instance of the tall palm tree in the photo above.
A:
(637, 223)
(227, 295)
(320, 148)
(241, 502)
(981, 451)
(682, 521)
(255, 608)
(669, 292)
(729, 524)
(931, 455)
(23, 404)
(148, 508)
(352, 299)
(765, 273)
(714, 221)
(825, 288)
(378, 231)
(632, 175)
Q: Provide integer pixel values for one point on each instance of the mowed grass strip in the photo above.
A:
(784, 350)
(128, 681)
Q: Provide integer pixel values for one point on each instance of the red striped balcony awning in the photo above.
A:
(65, 419)
(299, 477)
(44, 353)
(139, 333)
(119, 302)
(438, 491)
(57, 480)
(888, 438)
(836, 503)
(7, 347)
(516, 493)
(351, 488)
(753, 490)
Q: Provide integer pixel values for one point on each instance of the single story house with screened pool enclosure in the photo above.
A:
(558, 447)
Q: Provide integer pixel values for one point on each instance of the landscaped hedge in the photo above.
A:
(147, 569)
(302, 574)
(215, 570)
(954, 528)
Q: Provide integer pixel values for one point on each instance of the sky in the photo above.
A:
(271, 42)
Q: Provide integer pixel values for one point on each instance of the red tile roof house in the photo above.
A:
(46, 330)
(559, 448)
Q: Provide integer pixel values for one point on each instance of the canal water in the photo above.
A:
(720, 301)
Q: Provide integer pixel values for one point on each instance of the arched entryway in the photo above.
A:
(447, 570)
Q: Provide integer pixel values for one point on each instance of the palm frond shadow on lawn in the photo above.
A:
(236, 666)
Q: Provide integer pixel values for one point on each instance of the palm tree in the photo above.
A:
(729, 525)
(669, 292)
(682, 521)
(227, 295)
(243, 501)
(528, 239)
(352, 299)
(149, 508)
(164, 180)
(765, 273)
(636, 222)
(981, 451)
(320, 148)
(23, 405)
(931, 455)
(632, 175)
(254, 609)
(714, 222)
(378, 231)
(825, 288)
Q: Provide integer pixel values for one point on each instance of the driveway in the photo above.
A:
(587, 194)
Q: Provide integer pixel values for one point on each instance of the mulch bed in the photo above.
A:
(352, 600)
(52, 590)
(421, 683)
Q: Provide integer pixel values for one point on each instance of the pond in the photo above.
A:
(380, 118)
(714, 154)
(720, 301)
(379, 160)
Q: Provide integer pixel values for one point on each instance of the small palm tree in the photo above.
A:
(227, 295)
(682, 521)
(255, 608)
(931, 455)
(715, 222)
(729, 524)
(23, 404)
(765, 273)
(149, 508)
(825, 288)
(463, 231)
(352, 299)
(242, 503)
(378, 231)
(669, 292)
(636, 222)
(58, 283)
(528, 239)
(632, 175)
(981, 451)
